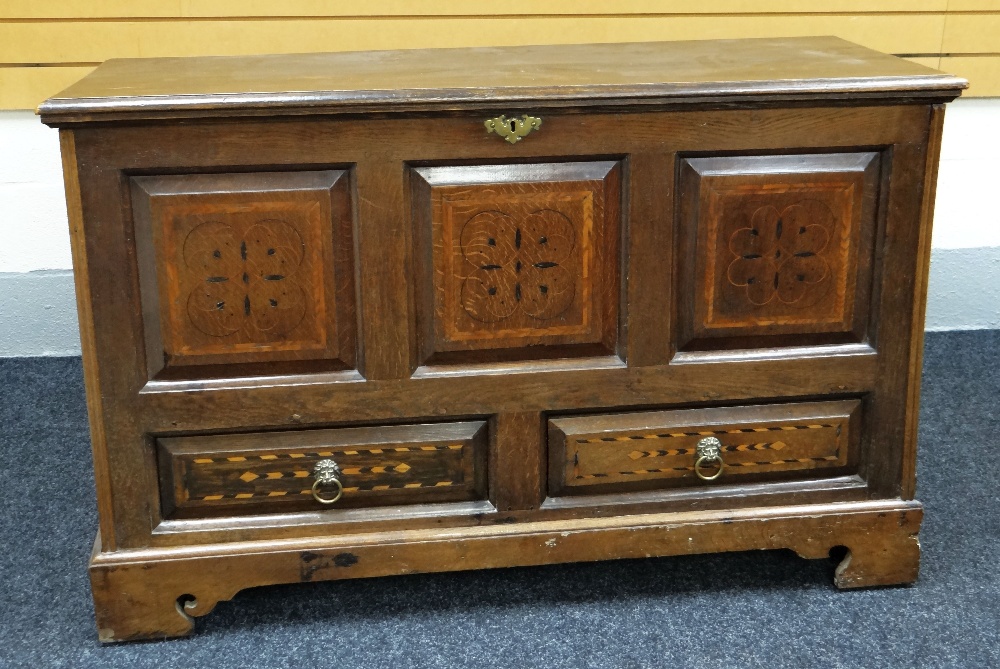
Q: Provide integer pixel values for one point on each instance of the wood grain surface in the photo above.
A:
(545, 76)
(782, 245)
(188, 582)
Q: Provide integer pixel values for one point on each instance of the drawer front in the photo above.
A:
(275, 472)
(641, 451)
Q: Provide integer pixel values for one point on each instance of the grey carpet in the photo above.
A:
(765, 609)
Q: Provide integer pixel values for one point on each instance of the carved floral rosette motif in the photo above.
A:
(247, 280)
(519, 265)
(773, 247)
(245, 268)
(780, 255)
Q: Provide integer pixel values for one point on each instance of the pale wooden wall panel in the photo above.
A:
(78, 42)
(114, 9)
(927, 61)
(971, 33)
(974, 5)
(983, 73)
(25, 87)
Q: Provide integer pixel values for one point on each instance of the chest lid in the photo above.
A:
(580, 75)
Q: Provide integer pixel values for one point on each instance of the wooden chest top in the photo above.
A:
(645, 73)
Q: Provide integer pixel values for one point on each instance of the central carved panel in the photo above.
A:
(518, 265)
(519, 256)
(522, 262)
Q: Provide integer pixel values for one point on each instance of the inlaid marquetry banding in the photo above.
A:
(762, 446)
(825, 458)
(250, 476)
(325, 454)
(274, 472)
(400, 468)
(678, 435)
(766, 463)
(778, 444)
(347, 489)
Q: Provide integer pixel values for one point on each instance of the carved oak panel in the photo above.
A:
(245, 268)
(517, 256)
(619, 452)
(274, 472)
(776, 245)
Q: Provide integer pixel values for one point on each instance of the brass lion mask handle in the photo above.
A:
(513, 129)
(708, 452)
(327, 474)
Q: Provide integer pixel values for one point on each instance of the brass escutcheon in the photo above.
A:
(513, 129)
(327, 473)
(708, 451)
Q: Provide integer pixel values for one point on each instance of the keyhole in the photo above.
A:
(513, 126)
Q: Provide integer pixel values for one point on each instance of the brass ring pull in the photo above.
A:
(702, 461)
(708, 451)
(327, 473)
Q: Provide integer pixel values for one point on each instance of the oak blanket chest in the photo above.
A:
(361, 314)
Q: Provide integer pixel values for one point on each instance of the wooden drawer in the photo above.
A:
(641, 451)
(274, 472)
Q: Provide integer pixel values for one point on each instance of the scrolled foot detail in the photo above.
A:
(132, 604)
(130, 614)
(878, 549)
(881, 561)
